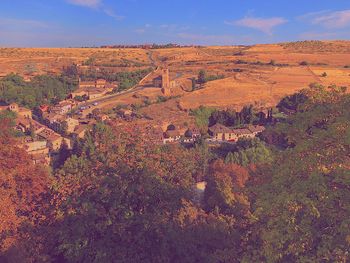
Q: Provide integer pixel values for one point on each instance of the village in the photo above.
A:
(50, 128)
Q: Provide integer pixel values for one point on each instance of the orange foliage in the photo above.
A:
(21, 186)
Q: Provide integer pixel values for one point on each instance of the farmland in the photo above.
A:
(260, 75)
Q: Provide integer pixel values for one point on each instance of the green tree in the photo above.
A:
(202, 77)
(302, 202)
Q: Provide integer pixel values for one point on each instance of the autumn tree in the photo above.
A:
(22, 187)
(224, 191)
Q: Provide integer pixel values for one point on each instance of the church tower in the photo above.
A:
(166, 82)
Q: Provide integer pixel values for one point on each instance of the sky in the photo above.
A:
(75, 23)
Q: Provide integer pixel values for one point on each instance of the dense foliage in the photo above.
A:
(125, 79)
(44, 89)
(120, 197)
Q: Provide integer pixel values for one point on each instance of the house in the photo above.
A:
(256, 129)
(23, 124)
(53, 120)
(243, 133)
(36, 127)
(80, 130)
(41, 158)
(71, 124)
(25, 113)
(13, 107)
(96, 93)
(44, 108)
(62, 108)
(92, 89)
(28, 125)
(219, 132)
(38, 150)
(89, 92)
(86, 84)
(157, 82)
(171, 136)
(100, 83)
(54, 140)
(53, 117)
(22, 112)
(31, 145)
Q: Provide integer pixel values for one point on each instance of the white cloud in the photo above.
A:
(265, 25)
(111, 13)
(98, 5)
(327, 19)
(87, 3)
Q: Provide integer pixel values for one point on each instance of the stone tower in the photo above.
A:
(166, 82)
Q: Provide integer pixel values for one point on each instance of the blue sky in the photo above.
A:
(62, 23)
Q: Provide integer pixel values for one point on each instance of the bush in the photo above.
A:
(303, 63)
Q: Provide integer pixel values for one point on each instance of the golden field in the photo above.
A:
(249, 77)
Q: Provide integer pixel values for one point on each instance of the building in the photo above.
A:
(38, 150)
(166, 82)
(28, 125)
(54, 140)
(62, 108)
(44, 108)
(256, 129)
(219, 132)
(157, 82)
(163, 82)
(171, 136)
(21, 112)
(93, 89)
(86, 84)
(80, 130)
(71, 124)
(243, 133)
(100, 83)
(13, 107)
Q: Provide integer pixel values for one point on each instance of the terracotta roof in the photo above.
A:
(219, 128)
(256, 128)
(241, 131)
(80, 128)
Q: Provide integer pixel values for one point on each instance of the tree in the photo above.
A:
(250, 152)
(202, 77)
(224, 189)
(202, 115)
(194, 82)
(308, 186)
(22, 187)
